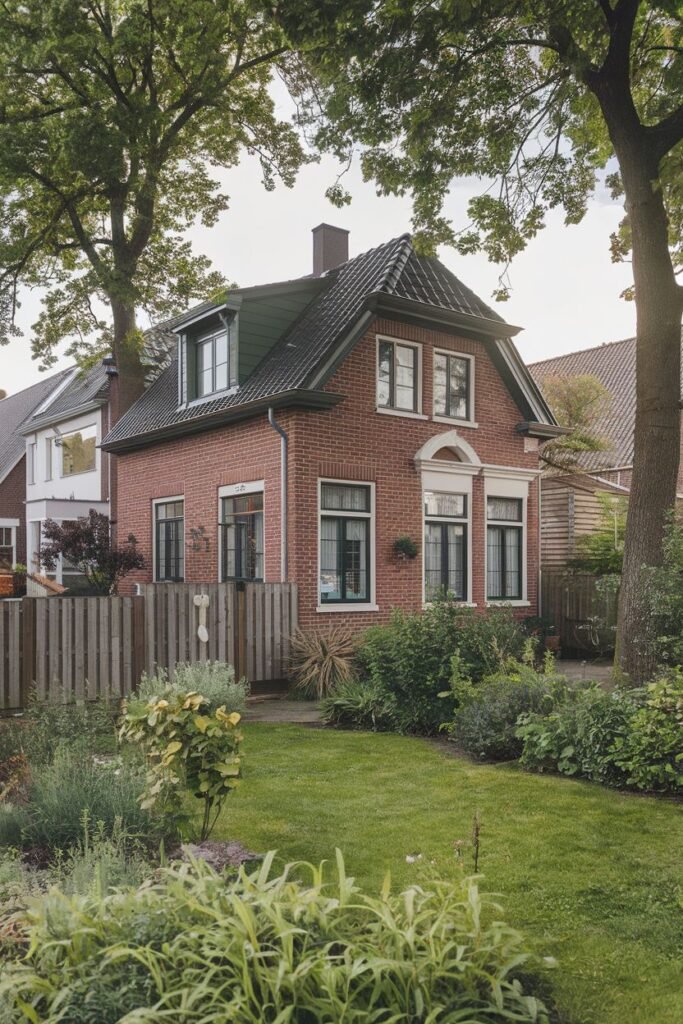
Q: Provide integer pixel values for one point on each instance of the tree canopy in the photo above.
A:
(577, 403)
(114, 117)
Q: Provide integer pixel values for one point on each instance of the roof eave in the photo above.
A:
(531, 428)
(296, 397)
(30, 426)
(381, 302)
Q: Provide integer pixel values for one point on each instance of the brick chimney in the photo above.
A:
(330, 248)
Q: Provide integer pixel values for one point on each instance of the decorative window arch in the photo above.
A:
(448, 439)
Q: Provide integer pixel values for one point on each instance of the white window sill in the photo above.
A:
(508, 604)
(349, 606)
(455, 422)
(460, 604)
(401, 412)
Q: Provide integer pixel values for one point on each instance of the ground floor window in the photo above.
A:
(504, 548)
(7, 550)
(345, 521)
(169, 548)
(445, 545)
(241, 529)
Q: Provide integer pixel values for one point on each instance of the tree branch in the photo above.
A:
(667, 133)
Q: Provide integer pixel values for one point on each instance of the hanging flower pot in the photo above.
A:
(405, 547)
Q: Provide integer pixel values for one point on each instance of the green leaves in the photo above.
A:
(188, 747)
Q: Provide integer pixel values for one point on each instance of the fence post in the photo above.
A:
(28, 652)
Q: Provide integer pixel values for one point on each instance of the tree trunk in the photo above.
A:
(129, 383)
(657, 438)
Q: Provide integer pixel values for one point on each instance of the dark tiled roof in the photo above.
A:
(87, 387)
(393, 269)
(614, 365)
(14, 410)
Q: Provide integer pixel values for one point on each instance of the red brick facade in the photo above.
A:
(350, 442)
(13, 504)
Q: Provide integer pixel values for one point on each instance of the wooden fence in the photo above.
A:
(585, 614)
(88, 647)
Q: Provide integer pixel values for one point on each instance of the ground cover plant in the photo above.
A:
(305, 944)
(589, 875)
(215, 680)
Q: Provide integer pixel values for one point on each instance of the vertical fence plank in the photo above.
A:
(92, 605)
(115, 640)
(79, 648)
(127, 653)
(104, 650)
(14, 654)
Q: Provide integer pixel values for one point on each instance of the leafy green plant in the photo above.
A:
(321, 661)
(188, 747)
(90, 724)
(215, 680)
(485, 720)
(651, 752)
(359, 705)
(102, 860)
(405, 547)
(273, 949)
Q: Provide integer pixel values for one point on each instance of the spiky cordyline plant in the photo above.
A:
(319, 661)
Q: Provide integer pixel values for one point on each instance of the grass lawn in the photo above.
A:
(590, 876)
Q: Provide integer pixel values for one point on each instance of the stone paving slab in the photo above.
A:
(293, 712)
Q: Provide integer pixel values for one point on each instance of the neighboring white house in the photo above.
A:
(66, 472)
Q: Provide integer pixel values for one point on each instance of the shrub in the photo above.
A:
(46, 726)
(410, 658)
(262, 949)
(650, 753)
(320, 662)
(102, 861)
(75, 784)
(485, 723)
(187, 746)
(215, 680)
(359, 705)
(581, 736)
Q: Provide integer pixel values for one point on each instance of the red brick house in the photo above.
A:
(304, 427)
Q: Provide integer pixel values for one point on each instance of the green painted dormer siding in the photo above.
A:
(265, 317)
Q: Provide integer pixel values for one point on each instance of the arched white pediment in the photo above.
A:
(448, 439)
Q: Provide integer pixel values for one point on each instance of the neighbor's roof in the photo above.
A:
(84, 390)
(614, 365)
(14, 410)
(391, 279)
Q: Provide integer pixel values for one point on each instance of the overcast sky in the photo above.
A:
(565, 288)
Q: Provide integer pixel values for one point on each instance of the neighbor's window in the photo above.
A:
(242, 537)
(451, 386)
(398, 376)
(7, 558)
(216, 363)
(33, 462)
(78, 451)
(48, 458)
(169, 554)
(504, 548)
(345, 514)
(445, 551)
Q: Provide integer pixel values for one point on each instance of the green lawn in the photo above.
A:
(592, 877)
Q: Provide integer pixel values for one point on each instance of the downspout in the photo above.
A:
(283, 493)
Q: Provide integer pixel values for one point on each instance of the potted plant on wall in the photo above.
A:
(405, 548)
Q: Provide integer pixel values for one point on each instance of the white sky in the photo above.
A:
(565, 288)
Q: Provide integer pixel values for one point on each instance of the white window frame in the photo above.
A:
(466, 492)
(13, 526)
(469, 420)
(450, 478)
(419, 414)
(64, 437)
(33, 463)
(234, 491)
(505, 483)
(164, 501)
(351, 606)
(49, 456)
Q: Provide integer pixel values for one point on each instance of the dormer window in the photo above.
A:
(213, 363)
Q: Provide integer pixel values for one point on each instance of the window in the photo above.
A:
(7, 555)
(216, 364)
(345, 514)
(242, 537)
(33, 462)
(169, 540)
(78, 451)
(397, 376)
(48, 458)
(445, 551)
(452, 386)
(504, 548)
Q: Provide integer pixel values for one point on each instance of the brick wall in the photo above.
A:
(349, 442)
(12, 503)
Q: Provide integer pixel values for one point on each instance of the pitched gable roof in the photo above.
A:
(614, 365)
(84, 390)
(389, 277)
(14, 410)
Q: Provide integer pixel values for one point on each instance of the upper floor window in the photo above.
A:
(48, 458)
(398, 375)
(169, 540)
(504, 548)
(445, 551)
(452, 386)
(33, 462)
(216, 369)
(242, 537)
(345, 517)
(78, 451)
